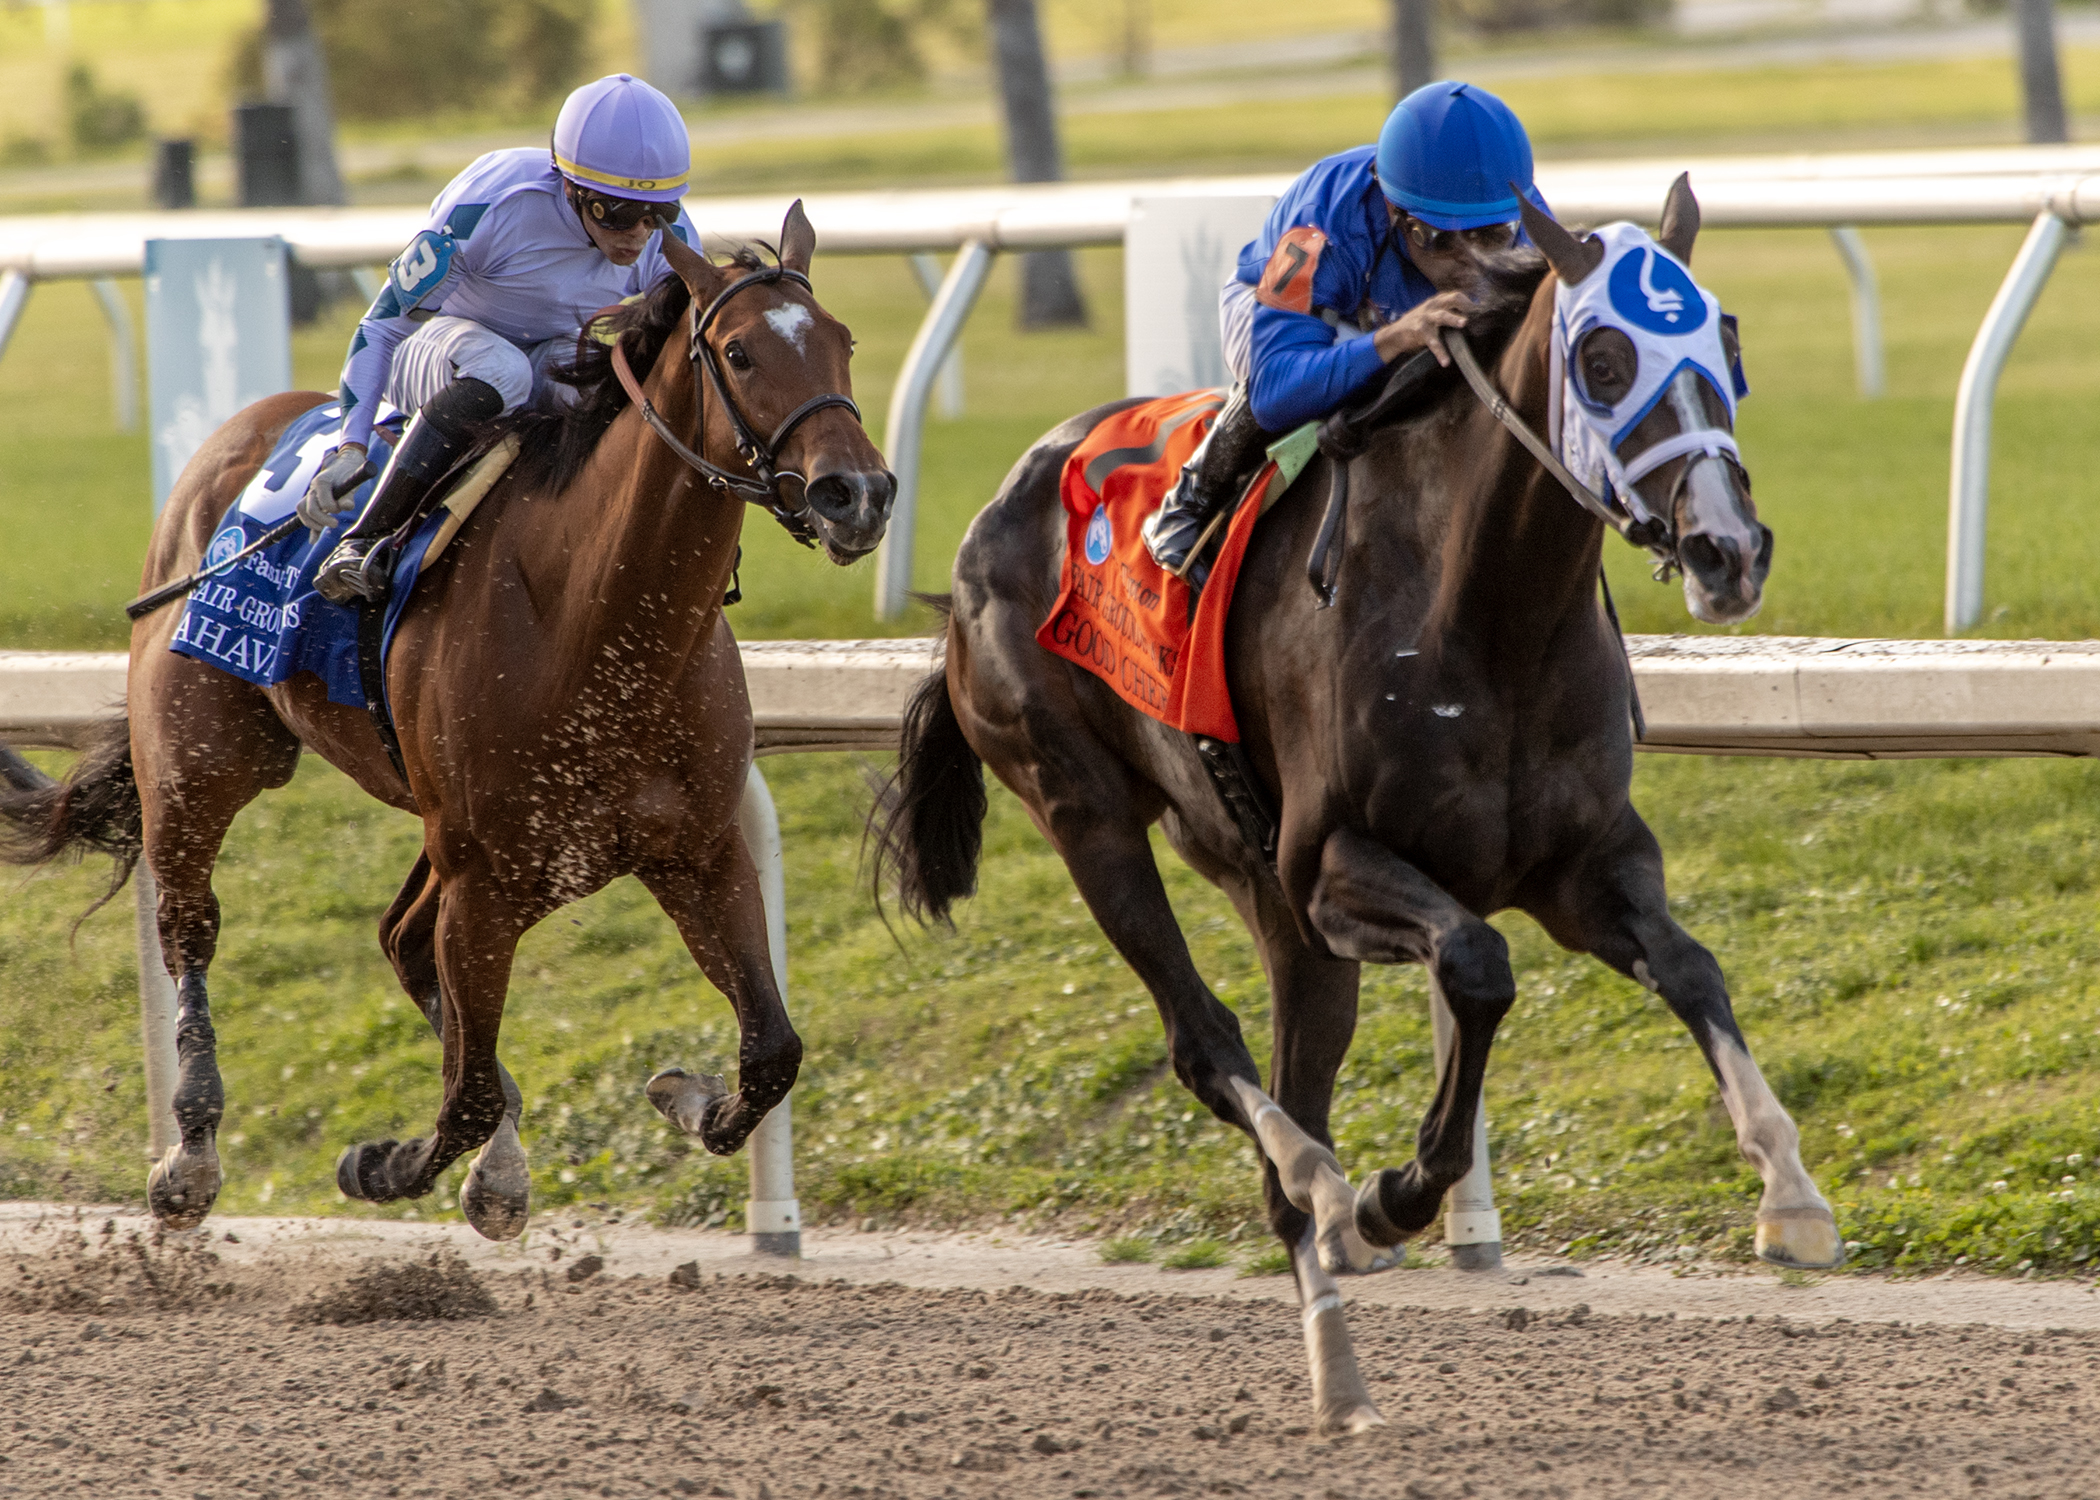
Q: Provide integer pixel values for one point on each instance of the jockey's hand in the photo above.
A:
(1422, 327)
(329, 494)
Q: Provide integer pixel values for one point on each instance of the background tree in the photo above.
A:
(1414, 45)
(2041, 83)
(295, 72)
(1049, 288)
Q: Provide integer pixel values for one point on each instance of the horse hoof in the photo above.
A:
(496, 1196)
(360, 1172)
(181, 1188)
(1805, 1238)
(1350, 1420)
(684, 1098)
(1372, 1223)
(1347, 1253)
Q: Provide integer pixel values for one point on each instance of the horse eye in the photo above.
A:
(738, 359)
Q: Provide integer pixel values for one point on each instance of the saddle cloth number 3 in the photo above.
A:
(1287, 280)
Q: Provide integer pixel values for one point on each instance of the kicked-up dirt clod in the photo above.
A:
(440, 1287)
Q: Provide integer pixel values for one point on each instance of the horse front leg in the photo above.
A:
(1311, 1206)
(1614, 905)
(718, 908)
(476, 939)
(1372, 906)
(496, 1194)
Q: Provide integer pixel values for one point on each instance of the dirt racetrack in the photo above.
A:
(266, 1367)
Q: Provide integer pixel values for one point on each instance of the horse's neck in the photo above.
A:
(651, 547)
(1522, 553)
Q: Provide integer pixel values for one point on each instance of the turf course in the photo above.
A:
(1909, 944)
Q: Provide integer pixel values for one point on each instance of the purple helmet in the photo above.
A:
(620, 137)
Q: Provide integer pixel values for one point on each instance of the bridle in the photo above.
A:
(761, 455)
(1656, 533)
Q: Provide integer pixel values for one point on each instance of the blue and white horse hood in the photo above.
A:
(1648, 294)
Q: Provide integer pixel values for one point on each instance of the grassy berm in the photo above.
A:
(1910, 944)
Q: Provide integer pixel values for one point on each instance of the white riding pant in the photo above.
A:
(1236, 306)
(444, 349)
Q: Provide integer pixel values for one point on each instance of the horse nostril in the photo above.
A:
(1704, 555)
(838, 496)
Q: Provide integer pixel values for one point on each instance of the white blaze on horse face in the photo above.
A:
(792, 323)
(1712, 506)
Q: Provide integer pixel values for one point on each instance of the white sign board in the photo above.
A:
(1177, 255)
(218, 337)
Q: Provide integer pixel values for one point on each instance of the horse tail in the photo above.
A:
(927, 826)
(94, 809)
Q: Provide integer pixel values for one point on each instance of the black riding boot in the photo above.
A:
(1210, 480)
(433, 442)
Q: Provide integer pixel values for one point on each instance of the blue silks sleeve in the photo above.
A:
(1302, 370)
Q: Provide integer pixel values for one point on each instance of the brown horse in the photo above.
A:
(570, 707)
(1450, 739)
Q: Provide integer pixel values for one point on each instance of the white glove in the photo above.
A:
(330, 493)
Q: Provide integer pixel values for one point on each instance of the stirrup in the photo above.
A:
(355, 572)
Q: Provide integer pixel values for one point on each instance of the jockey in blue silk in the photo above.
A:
(1364, 257)
(521, 248)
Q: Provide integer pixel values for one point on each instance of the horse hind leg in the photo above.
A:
(187, 803)
(185, 1182)
(496, 1194)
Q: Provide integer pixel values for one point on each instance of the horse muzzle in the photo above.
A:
(853, 507)
(1724, 575)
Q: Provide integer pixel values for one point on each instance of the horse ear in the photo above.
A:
(1571, 259)
(701, 276)
(1680, 225)
(798, 241)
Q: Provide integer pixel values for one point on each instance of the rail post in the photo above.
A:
(156, 1016)
(772, 1215)
(927, 270)
(1969, 479)
(904, 434)
(123, 353)
(14, 296)
(1866, 310)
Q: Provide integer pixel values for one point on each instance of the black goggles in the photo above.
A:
(622, 214)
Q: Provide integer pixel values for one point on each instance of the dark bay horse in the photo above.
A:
(1449, 740)
(569, 702)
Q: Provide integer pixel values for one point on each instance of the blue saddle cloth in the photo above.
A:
(262, 620)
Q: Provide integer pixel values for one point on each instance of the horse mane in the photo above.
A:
(1509, 281)
(1417, 385)
(554, 446)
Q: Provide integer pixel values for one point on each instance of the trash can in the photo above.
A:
(744, 57)
(265, 155)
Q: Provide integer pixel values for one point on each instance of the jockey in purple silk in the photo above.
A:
(520, 249)
(1362, 260)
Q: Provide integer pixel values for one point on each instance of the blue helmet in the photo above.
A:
(1449, 152)
(620, 137)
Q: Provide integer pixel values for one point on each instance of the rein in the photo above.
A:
(761, 455)
(1653, 535)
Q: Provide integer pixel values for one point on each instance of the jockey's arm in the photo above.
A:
(1303, 368)
(416, 278)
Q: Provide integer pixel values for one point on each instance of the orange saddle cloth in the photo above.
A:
(1122, 616)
